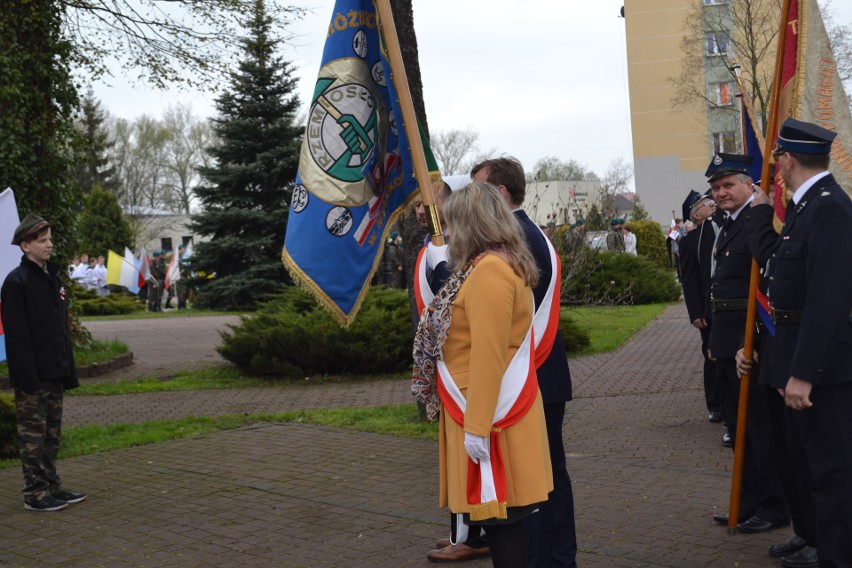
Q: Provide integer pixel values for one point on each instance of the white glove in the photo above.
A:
(477, 447)
(435, 255)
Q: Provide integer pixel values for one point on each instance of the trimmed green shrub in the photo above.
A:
(651, 242)
(8, 428)
(619, 279)
(291, 335)
(116, 303)
(576, 339)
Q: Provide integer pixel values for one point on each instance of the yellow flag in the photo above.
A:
(114, 262)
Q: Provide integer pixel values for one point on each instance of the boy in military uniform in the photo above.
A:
(41, 363)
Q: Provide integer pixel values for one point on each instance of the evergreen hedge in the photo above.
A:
(116, 303)
(651, 242)
(291, 335)
(621, 279)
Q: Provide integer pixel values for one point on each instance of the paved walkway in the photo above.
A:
(648, 471)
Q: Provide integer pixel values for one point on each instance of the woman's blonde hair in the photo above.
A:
(480, 221)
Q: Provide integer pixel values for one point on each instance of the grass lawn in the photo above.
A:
(610, 327)
(91, 439)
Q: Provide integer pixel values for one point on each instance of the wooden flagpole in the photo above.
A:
(409, 117)
(751, 314)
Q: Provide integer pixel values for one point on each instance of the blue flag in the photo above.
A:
(355, 169)
(751, 146)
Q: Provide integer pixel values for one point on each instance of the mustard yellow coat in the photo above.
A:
(491, 316)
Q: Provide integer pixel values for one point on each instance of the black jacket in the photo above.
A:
(696, 255)
(810, 269)
(554, 378)
(35, 321)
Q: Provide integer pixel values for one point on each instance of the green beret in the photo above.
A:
(617, 221)
(28, 228)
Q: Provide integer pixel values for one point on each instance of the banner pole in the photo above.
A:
(409, 117)
(748, 344)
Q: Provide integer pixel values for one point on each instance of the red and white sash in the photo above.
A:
(423, 295)
(486, 481)
(546, 318)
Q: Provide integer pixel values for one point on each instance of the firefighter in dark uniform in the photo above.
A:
(808, 288)
(762, 503)
(696, 251)
(156, 282)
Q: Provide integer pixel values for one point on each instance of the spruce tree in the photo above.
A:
(103, 226)
(93, 168)
(245, 195)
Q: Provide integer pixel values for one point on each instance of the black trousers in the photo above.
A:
(795, 481)
(711, 394)
(762, 493)
(821, 443)
(551, 534)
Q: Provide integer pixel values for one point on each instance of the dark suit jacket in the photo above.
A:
(810, 269)
(730, 282)
(696, 252)
(554, 378)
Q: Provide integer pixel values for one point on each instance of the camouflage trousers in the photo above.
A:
(39, 418)
(155, 296)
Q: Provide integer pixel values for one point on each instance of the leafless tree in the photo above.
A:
(551, 168)
(742, 32)
(615, 181)
(457, 151)
(840, 36)
(163, 42)
(185, 151)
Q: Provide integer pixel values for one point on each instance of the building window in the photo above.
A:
(722, 94)
(717, 43)
(166, 244)
(725, 142)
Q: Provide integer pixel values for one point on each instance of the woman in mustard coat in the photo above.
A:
(494, 460)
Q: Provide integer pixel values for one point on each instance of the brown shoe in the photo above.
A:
(456, 553)
(443, 543)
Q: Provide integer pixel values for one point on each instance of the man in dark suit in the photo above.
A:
(696, 255)
(808, 278)
(762, 504)
(551, 533)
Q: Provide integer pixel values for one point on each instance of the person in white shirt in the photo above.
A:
(90, 278)
(629, 240)
(80, 270)
(101, 276)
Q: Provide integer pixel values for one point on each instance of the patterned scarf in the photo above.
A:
(429, 341)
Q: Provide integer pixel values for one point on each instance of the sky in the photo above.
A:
(534, 79)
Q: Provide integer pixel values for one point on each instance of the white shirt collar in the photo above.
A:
(736, 213)
(803, 189)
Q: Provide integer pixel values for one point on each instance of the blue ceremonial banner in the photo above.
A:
(751, 146)
(355, 169)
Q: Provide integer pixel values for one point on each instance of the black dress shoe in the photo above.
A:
(715, 416)
(795, 544)
(722, 518)
(758, 525)
(806, 558)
